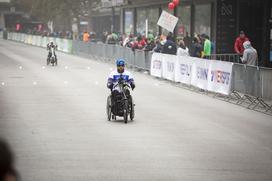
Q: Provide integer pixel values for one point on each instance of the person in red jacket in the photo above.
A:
(238, 46)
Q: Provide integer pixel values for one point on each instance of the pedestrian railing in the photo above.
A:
(235, 58)
(252, 86)
(137, 59)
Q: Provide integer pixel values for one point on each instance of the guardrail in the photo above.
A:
(138, 59)
(235, 58)
(64, 45)
(251, 85)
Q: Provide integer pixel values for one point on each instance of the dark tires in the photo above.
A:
(108, 108)
(131, 109)
(126, 111)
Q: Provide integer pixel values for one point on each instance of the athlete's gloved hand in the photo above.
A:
(110, 86)
(132, 86)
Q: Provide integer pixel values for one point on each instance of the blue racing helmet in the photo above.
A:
(120, 62)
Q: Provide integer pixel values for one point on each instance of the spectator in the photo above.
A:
(182, 49)
(207, 46)
(150, 36)
(141, 42)
(129, 41)
(93, 37)
(126, 40)
(150, 44)
(187, 40)
(170, 46)
(115, 37)
(104, 37)
(250, 56)
(158, 46)
(196, 48)
(238, 46)
(112, 38)
(7, 171)
(86, 36)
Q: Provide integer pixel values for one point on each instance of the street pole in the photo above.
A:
(113, 19)
(146, 28)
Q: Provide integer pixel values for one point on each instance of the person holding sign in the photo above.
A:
(170, 46)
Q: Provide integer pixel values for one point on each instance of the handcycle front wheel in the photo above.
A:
(108, 108)
(132, 110)
(126, 111)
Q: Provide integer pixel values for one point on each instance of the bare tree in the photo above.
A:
(62, 12)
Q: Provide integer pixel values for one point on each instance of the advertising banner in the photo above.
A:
(200, 72)
(168, 66)
(219, 77)
(156, 65)
(183, 70)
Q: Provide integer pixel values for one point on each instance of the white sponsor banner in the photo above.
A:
(219, 77)
(17, 36)
(22, 38)
(25, 38)
(65, 45)
(168, 66)
(58, 42)
(29, 39)
(167, 21)
(43, 44)
(39, 41)
(200, 72)
(156, 65)
(13, 36)
(9, 35)
(4, 1)
(34, 40)
(183, 70)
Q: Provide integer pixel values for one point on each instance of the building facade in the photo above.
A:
(221, 20)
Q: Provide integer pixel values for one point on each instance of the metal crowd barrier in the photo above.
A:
(3, 35)
(251, 86)
(246, 79)
(235, 58)
(137, 59)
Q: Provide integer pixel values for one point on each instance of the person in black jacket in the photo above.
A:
(158, 46)
(196, 48)
(170, 46)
